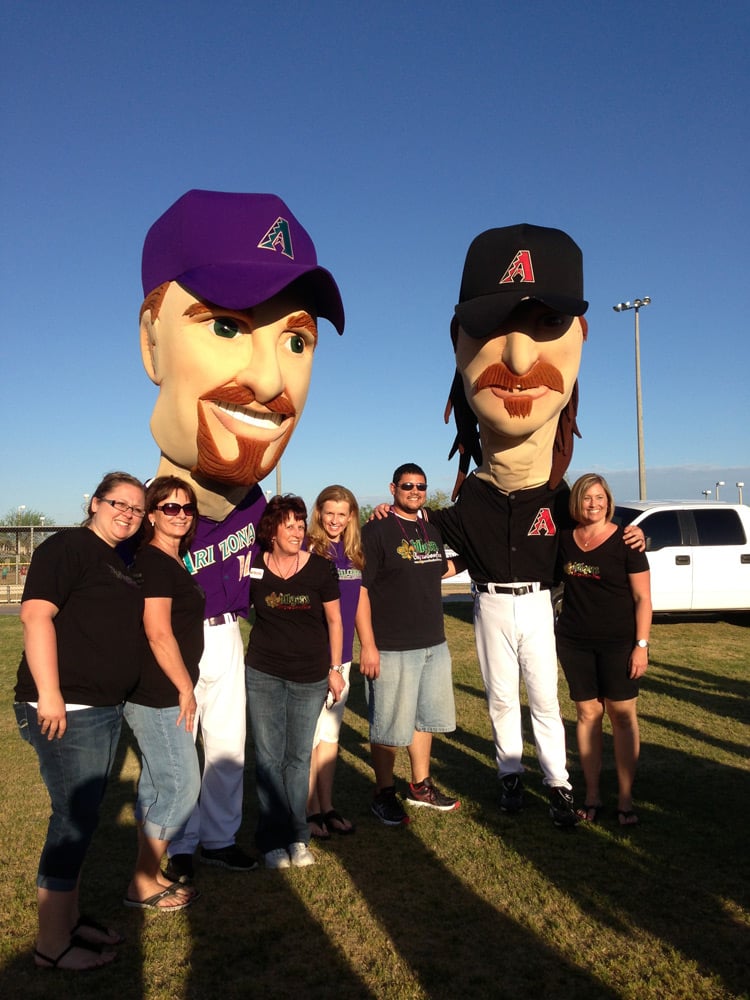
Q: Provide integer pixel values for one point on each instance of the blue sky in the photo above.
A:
(396, 132)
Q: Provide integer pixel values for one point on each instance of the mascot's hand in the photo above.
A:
(634, 537)
(382, 510)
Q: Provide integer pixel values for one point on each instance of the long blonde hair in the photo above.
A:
(317, 539)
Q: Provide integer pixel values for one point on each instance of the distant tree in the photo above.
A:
(21, 518)
(25, 517)
(438, 499)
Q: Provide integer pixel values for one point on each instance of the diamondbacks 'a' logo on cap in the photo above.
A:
(544, 523)
(278, 237)
(519, 269)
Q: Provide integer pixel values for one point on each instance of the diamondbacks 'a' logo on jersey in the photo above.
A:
(519, 269)
(544, 523)
(278, 237)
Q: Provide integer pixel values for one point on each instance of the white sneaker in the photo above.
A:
(277, 859)
(301, 855)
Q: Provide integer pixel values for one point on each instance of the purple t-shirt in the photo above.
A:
(222, 553)
(350, 584)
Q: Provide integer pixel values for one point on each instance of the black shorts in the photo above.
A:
(597, 670)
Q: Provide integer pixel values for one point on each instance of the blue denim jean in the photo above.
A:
(413, 691)
(283, 715)
(170, 778)
(75, 770)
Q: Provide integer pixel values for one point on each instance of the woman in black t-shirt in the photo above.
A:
(161, 710)
(83, 643)
(602, 638)
(289, 670)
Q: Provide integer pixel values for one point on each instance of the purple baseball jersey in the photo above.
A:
(222, 553)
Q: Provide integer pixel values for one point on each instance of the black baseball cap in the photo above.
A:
(509, 265)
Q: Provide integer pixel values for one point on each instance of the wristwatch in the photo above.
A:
(338, 668)
(643, 643)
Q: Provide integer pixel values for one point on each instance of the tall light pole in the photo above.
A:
(719, 483)
(739, 488)
(706, 493)
(636, 305)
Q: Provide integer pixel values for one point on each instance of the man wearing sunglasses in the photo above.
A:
(407, 664)
(233, 292)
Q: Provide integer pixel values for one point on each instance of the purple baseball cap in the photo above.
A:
(236, 250)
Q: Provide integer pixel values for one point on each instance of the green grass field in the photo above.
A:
(474, 903)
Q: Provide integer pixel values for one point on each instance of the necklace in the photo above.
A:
(421, 530)
(285, 576)
(585, 542)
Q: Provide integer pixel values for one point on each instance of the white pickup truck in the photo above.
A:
(699, 553)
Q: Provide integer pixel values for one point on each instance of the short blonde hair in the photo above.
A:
(581, 486)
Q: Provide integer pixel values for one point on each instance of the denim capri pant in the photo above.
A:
(170, 782)
(75, 770)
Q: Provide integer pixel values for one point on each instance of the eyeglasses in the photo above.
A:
(173, 509)
(422, 487)
(124, 508)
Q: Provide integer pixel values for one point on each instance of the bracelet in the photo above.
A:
(338, 668)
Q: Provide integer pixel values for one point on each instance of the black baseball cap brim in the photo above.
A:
(513, 264)
(482, 316)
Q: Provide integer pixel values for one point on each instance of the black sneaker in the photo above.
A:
(426, 794)
(386, 805)
(180, 869)
(511, 793)
(561, 807)
(231, 857)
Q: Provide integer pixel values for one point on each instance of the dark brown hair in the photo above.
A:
(278, 510)
(158, 491)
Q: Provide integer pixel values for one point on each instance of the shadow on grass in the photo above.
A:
(724, 696)
(459, 926)
(675, 875)
(250, 933)
(454, 941)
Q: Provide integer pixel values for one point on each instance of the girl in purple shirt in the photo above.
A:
(335, 534)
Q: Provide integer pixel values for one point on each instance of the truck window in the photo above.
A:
(719, 527)
(661, 529)
(624, 515)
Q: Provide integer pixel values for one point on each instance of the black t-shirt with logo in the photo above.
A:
(404, 565)
(163, 576)
(598, 602)
(99, 625)
(290, 636)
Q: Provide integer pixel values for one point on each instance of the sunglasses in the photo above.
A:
(422, 487)
(173, 509)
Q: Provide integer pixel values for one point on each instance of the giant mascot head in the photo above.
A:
(518, 331)
(233, 293)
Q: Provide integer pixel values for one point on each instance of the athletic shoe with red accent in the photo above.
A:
(427, 794)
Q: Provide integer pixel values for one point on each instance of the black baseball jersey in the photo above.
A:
(506, 537)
